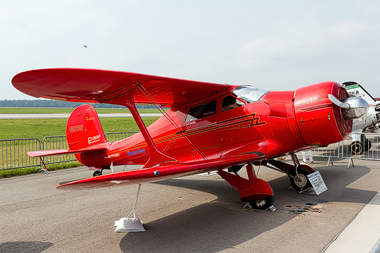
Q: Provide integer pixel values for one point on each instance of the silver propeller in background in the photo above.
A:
(353, 107)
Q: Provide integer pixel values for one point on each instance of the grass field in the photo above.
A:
(41, 128)
(31, 170)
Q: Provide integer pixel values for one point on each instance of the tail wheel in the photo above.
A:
(357, 148)
(97, 173)
(300, 181)
(262, 203)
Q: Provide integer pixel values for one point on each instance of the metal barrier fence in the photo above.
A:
(112, 137)
(331, 151)
(13, 153)
(368, 148)
(56, 142)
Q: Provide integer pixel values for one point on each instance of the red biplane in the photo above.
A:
(209, 127)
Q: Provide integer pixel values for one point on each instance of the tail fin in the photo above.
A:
(84, 129)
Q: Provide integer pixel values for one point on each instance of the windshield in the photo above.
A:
(249, 94)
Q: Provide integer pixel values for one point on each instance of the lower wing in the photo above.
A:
(158, 173)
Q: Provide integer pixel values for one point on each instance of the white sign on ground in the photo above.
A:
(317, 182)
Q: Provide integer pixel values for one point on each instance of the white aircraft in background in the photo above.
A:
(370, 121)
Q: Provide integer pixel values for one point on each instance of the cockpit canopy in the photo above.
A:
(249, 94)
(240, 96)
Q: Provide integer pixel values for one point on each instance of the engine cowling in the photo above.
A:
(319, 120)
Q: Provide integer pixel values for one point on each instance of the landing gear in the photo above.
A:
(97, 173)
(100, 172)
(367, 145)
(262, 203)
(297, 173)
(253, 190)
(298, 177)
(357, 148)
(299, 181)
(360, 144)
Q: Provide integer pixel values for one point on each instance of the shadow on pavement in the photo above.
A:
(223, 223)
(27, 247)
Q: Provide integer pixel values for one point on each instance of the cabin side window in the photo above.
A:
(230, 102)
(201, 111)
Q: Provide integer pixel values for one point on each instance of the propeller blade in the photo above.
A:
(337, 102)
(352, 107)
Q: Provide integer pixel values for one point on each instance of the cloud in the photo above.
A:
(291, 42)
(308, 41)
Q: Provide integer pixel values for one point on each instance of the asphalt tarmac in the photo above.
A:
(199, 213)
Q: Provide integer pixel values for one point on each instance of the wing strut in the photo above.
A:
(153, 101)
(156, 156)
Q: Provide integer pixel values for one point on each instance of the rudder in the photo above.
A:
(83, 128)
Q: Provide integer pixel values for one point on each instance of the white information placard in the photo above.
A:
(317, 182)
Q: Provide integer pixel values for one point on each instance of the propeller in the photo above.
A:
(353, 107)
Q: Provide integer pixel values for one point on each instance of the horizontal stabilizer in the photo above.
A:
(158, 173)
(90, 149)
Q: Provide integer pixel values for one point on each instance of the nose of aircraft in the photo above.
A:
(352, 107)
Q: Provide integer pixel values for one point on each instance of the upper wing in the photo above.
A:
(158, 173)
(102, 86)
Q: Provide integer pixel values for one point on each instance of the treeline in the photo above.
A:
(56, 103)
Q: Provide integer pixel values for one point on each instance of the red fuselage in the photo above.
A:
(277, 123)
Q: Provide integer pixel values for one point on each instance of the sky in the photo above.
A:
(273, 45)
